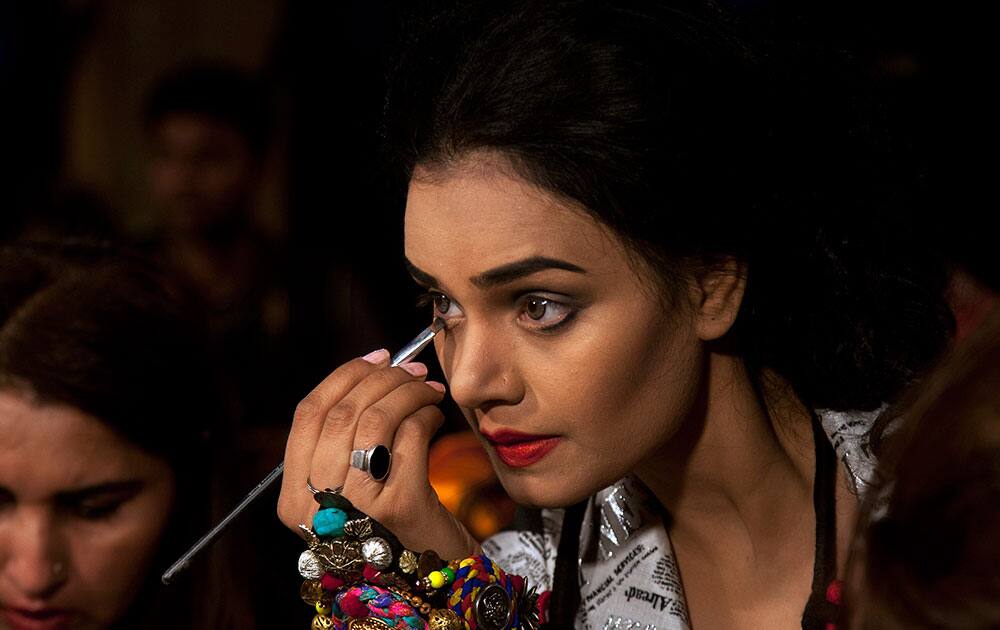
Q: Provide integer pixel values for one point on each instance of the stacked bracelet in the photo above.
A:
(359, 577)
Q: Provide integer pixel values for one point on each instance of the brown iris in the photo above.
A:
(442, 304)
(535, 308)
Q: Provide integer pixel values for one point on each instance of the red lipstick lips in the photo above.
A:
(519, 450)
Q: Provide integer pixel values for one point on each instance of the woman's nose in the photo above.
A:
(31, 556)
(477, 361)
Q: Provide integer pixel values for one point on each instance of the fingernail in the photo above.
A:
(377, 356)
(416, 369)
(439, 387)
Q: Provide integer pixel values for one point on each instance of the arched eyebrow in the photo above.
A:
(519, 269)
(503, 274)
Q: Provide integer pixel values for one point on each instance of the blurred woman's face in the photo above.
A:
(565, 361)
(81, 514)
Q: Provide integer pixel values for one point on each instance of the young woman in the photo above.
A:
(104, 469)
(661, 316)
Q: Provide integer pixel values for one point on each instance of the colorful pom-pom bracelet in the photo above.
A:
(359, 577)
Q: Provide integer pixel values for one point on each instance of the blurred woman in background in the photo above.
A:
(104, 445)
(927, 553)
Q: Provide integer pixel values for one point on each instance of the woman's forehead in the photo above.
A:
(51, 448)
(480, 217)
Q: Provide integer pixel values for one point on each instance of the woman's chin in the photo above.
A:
(542, 491)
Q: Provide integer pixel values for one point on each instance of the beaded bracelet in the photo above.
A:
(358, 576)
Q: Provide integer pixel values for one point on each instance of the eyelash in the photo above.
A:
(86, 509)
(96, 512)
(429, 298)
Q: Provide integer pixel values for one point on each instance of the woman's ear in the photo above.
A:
(717, 293)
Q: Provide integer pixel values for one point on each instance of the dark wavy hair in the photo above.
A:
(695, 143)
(87, 325)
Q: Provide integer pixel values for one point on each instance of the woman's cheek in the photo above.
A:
(114, 558)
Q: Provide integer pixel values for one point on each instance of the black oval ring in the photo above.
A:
(378, 460)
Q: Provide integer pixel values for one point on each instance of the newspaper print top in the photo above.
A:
(628, 574)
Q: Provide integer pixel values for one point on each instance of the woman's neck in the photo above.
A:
(738, 466)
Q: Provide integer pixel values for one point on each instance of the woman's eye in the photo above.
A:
(442, 304)
(96, 508)
(96, 511)
(6, 499)
(543, 313)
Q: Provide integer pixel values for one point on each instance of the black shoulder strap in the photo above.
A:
(819, 612)
(565, 599)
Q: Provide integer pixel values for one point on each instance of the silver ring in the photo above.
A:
(375, 461)
(314, 491)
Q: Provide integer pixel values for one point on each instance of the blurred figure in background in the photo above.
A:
(105, 451)
(210, 131)
(928, 554)
(927, 551)
(209, 128)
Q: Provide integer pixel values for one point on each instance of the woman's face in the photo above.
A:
(565, 361)
(81, 514)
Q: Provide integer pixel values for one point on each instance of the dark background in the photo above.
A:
(74, 76)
